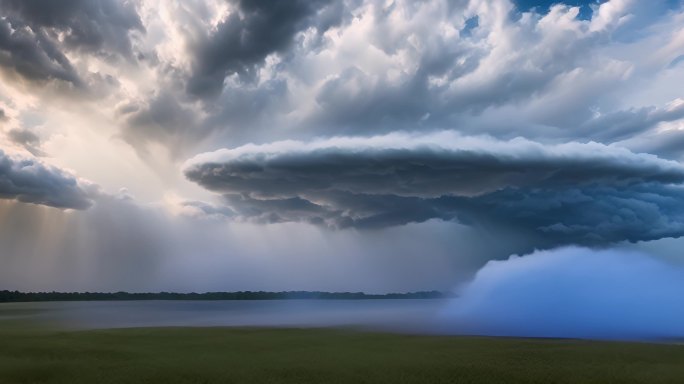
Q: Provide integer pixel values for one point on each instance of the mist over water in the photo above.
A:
(575, 293)
(405, 315)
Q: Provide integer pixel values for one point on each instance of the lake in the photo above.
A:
(408, 315)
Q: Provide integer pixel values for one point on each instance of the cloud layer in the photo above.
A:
(568, 193)
(240, 71)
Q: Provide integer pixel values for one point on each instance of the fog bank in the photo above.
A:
(575, 293)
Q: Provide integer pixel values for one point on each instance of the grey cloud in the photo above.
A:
(245, 38)
(668, 144)
(352, 102)
(587, 215)
(570, 193)
(339, 210)
(203, 209)
(624, 124)
(163, 118)
(421, 166)
(97, 26)
(33, 55)
(176, 122)
(243, 107)
(30, 181)
(29, 140)
(426, 76)
(446, 80)
(30, 42)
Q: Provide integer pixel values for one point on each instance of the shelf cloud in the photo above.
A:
(586, 193)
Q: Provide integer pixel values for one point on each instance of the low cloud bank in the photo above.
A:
(573, 292)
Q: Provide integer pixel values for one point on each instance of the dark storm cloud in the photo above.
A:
(30, 181)
(245, 38)
(589, 215)
(33, 54)
(571, 193)
(34, 35)
(97, 26)
(421, 169)
(340, 209)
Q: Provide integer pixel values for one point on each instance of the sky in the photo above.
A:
(341, 145)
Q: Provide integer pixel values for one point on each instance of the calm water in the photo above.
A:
(398, 315)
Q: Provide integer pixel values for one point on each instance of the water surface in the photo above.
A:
(411, 315)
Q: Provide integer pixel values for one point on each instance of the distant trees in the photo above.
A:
(16, 296)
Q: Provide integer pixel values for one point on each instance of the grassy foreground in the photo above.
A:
(229, 355)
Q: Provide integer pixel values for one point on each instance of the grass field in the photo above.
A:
(230, 355)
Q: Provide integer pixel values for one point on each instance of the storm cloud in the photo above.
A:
(569, 193)
(482, 128)
(245, 38)
(31, 181)
(97, 26)
(35, 35)
(261, 71)
(34, 56)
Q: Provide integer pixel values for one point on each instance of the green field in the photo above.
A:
(230, 355)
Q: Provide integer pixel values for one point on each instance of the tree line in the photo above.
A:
(7, 296)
